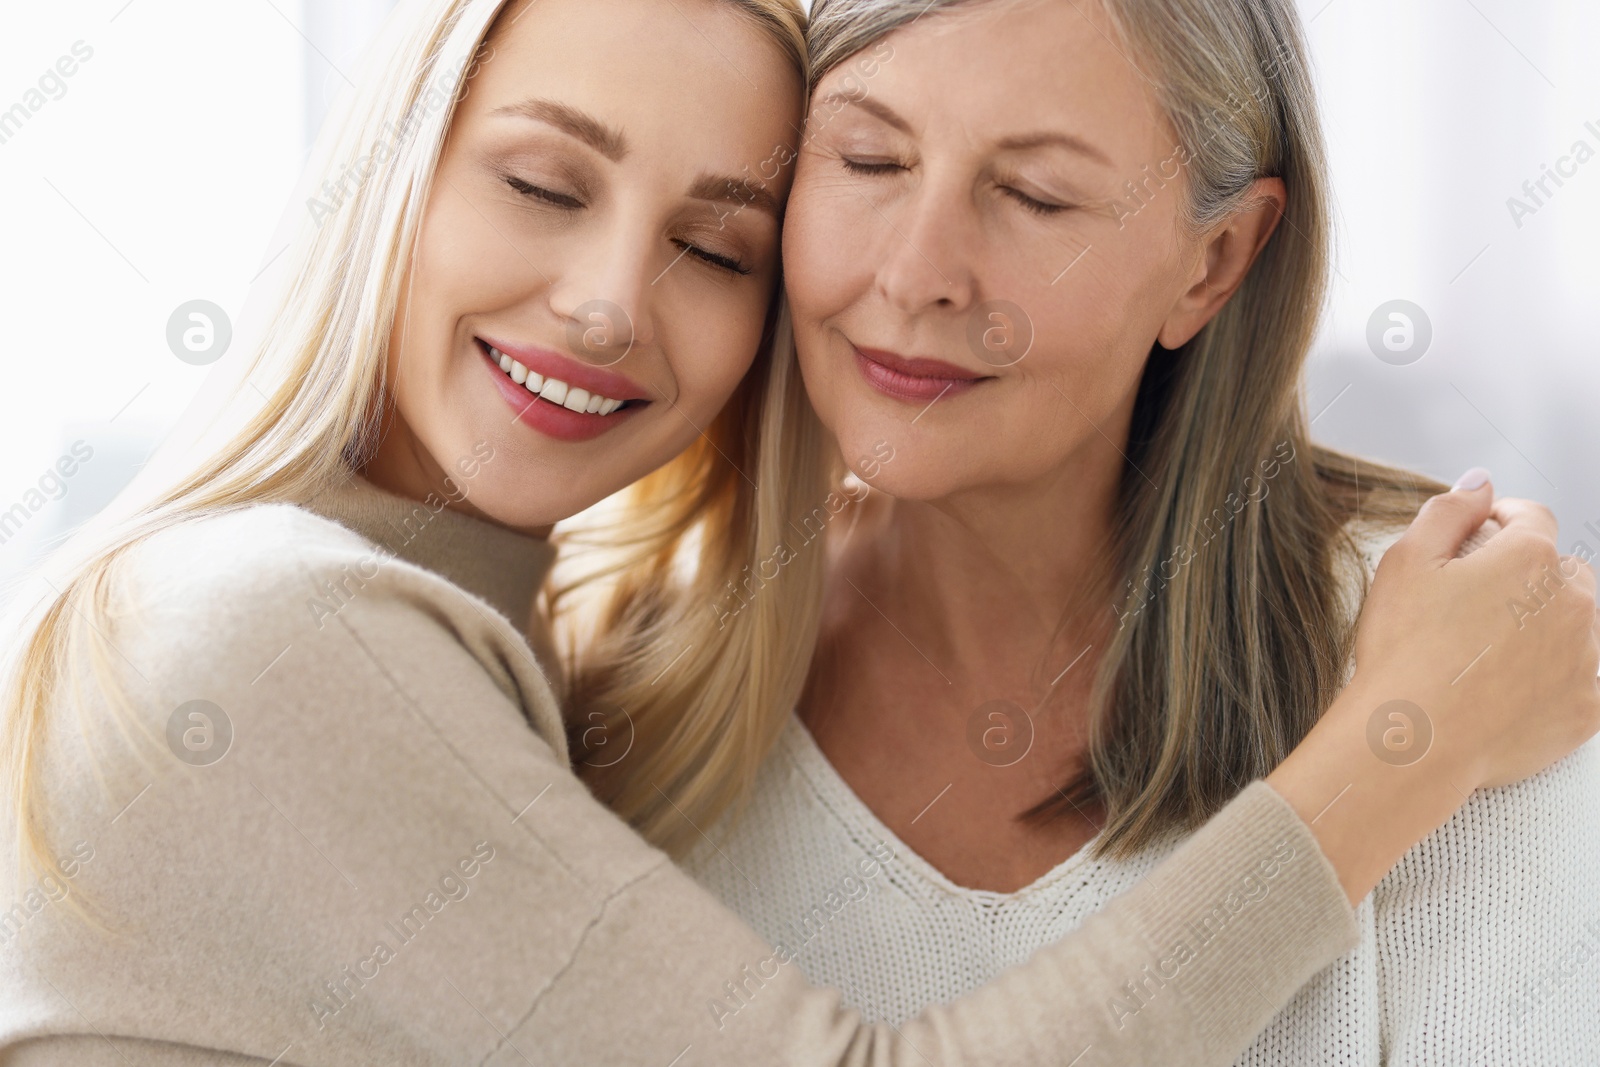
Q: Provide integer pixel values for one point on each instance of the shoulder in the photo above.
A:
(1483, 927)
(273, 599)
(273, 623)
(232, 585)
(1354, 560)
(1508, 839)
(1372, 538)
(274, 567)
(252, 552)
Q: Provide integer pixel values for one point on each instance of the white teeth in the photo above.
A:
(554, 391)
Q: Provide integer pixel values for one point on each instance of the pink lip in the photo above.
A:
(564, 368)
(914, 379)
(552, 420)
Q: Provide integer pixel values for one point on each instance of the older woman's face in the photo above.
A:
(971, 275)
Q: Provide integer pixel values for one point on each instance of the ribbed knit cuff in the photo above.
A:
(1242, 915)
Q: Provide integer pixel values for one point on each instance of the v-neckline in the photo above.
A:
(847, 807)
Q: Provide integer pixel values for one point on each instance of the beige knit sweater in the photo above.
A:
(366, 847)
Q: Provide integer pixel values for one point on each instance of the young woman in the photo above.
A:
(289, 784)
(1109, 579)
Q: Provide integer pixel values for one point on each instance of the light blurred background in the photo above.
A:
(156, 172)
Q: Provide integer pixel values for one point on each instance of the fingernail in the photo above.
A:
(1473, 479)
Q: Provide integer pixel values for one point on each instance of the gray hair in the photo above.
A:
(1226, 665)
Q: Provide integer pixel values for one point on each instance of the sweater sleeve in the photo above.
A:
(1488, 931)
(341, 843)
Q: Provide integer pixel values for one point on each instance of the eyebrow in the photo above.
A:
(1044, 139)
(604, 139)
(722, 189)
(877, 109)
(884, 113)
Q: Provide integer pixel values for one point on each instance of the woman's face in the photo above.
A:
(590, 222)
(973, 278)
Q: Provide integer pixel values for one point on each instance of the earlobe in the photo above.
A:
(1227, 254)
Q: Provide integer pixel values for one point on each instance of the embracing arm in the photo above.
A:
(366, 855)
(390, 866)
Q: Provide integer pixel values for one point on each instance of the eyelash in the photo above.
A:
(858, 166)
(732, 266)
(554, 199)
(1038, 207)
(569, 203)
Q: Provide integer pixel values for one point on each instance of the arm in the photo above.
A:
(389, 866)
(384, 788)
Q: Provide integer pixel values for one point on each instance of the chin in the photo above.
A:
(904, 477)
(524, 508)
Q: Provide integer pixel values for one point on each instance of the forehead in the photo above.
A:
(1000, 70)
(698, 75)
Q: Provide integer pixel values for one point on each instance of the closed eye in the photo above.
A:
(868, 166)
(733, 266)
(549, 196)
(1038, 207)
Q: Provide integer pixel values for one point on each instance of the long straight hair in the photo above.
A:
(320, 369)
(1235, 624)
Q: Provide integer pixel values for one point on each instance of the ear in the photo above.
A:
(1224, 261)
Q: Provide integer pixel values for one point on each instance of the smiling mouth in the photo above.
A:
(917, 381)
(554, 390)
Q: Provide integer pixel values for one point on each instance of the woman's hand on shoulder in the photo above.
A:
(1498, 648)
(1471, 670)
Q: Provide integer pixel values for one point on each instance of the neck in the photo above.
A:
(403, 466)
(1001, 577)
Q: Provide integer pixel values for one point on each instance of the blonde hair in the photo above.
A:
(1219, 670)
(702, 643)
(320, 367)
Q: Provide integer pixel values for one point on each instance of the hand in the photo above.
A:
(1498, 649)
(1501, 692)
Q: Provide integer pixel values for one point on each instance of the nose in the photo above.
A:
(603, 290)
(930, 238)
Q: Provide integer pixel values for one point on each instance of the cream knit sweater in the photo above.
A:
(1480, 949)
(341, 830)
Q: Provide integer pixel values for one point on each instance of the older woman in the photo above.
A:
(1067, 258)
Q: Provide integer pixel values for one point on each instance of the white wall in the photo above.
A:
(1437, 111)
(159, 173)
(155, 178)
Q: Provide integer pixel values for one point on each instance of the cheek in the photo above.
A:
(1109, 307)
(711, 352)
(826, 263)
(465, 263)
